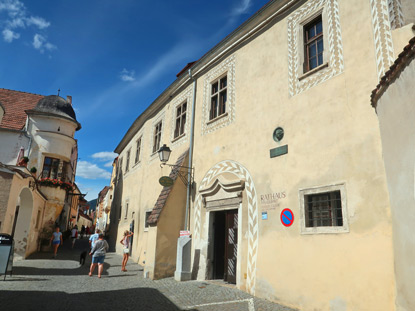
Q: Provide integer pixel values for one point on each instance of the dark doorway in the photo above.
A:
(225, 237)
(131, 238)
(16, 214)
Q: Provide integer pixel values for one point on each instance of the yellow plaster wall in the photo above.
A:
(333, 137)
(170, 222)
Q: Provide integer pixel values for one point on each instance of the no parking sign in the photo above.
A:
(287, 217)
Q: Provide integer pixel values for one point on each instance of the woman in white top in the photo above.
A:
(126, 251)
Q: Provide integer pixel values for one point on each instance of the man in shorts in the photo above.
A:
(98, 252)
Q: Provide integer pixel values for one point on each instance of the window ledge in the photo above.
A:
(311, 72)
(178, 137)
(324, 230)
(217, 118)
(136, 163)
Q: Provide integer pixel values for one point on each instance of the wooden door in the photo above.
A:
(231, 245)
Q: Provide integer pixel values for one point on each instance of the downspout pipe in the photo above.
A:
(190, 165)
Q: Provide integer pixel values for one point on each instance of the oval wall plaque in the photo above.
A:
(166, 181)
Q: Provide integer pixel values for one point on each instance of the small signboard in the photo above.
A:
(184, 233)
(166, 181)
(6, 254)
(287, 217)
(264, 215)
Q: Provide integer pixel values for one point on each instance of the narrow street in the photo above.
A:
(44, 283)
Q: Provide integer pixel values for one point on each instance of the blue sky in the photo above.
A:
(113, 57)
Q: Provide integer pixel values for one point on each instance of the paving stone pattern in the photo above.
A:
(44, 283)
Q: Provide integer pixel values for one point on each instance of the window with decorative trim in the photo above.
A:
(138, 150)
(157, 137)
(180, 120)
(313, 44)
(315, 50)
(218, 97)
(323, 210)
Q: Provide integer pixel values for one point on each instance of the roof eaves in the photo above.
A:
(404, 58)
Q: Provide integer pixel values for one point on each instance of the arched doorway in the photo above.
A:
(21, 229)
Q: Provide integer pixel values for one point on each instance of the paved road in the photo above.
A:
(43, 283)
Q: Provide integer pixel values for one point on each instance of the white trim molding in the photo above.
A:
(185, 96)
(333, 62)
(226, 67)
(329, 229)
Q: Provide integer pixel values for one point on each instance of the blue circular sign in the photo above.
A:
(287, 217)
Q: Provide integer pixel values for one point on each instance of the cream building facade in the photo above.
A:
(281, 121)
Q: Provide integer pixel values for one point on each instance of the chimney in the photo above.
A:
(69, 99)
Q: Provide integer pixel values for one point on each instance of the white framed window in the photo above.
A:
(180, 126)
(324, 210)
(157, 136)
(218, 97)
(137, 150)
(127, 161)
(126, 210)
(315, 48)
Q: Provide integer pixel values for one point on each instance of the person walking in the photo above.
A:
(93, 238)
(56, 240)
(74, 235)
(98, 252)
(82, 231)
(126, 250)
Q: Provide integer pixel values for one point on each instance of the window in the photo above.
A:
(137, 151)
(146, 225)
(313, 44)
(218, 97)
(127, 162)
(126, 210)
(323, 210)
(120, 167)
(180, 120)
(157, 137)
(50, 168)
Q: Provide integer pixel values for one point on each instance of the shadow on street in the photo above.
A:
(127, 299)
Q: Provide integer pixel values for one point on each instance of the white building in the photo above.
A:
(40, 129)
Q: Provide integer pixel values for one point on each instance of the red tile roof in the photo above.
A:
(390, 76)
(15, 103)
(164, 194)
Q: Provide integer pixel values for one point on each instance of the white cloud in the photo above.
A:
(12, 7)
(37, 21)
(90, 170)
(40, 43)
(18, 17)
(105, 156)
(9, 35)
(242, 8)
(127, 75)
(108, 164)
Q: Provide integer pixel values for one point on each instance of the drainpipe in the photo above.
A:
(189, 173)
(26, 133)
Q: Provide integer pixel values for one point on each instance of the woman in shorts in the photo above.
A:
(126, 251)
(56, 240)
(98, 255)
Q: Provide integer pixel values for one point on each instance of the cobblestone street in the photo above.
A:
(43, 283)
